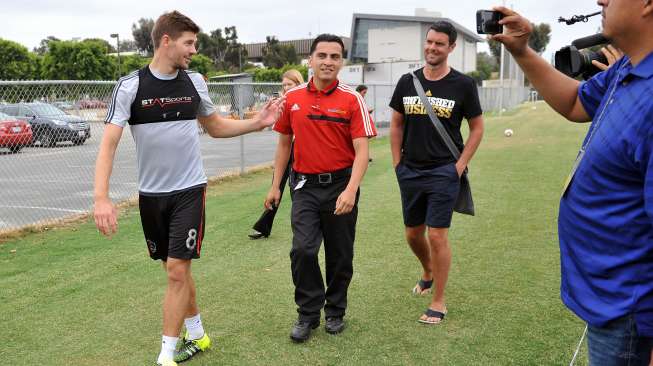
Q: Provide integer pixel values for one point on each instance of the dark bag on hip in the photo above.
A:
(464, 203)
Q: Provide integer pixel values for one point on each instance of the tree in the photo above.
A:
(205, 45)
(16, 62)
(276, 55)
(485, 65)
(540, 37)
(538, 41)
(213, 46)
(201, 64)
(128, 45)
(68, 60)
(235, 54)
(43, 46)
(274, 75)
(133, 62)
(495, 50)
(142, 33)
(103, 43)
(223, 48)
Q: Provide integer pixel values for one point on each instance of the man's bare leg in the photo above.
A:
(178, 293)
(415, 236)
(438, 239)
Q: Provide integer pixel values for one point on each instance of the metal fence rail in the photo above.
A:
(51, 130)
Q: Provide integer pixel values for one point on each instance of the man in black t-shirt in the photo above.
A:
(427, 172)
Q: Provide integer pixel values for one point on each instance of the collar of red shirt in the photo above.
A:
(327, 91)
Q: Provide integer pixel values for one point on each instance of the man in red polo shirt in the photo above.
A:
(331, 126)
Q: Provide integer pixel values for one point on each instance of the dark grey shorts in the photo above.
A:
(428, 195)
(174, 224)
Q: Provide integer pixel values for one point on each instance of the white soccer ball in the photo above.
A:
(508, 132)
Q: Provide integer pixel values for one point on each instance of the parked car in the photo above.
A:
(64, 105)
(49, 123)
(91, 104)
(14, 133)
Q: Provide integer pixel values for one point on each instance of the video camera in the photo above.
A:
(577, 60)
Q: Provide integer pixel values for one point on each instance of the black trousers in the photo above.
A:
(312, 221)
(264, 223)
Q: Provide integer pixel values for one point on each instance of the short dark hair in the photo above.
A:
(325, 37)
(173, 24)
(361, 87)
(442, 26)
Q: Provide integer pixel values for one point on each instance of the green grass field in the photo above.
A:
(71, 297)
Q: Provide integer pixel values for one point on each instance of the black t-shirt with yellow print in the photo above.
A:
(453, 97)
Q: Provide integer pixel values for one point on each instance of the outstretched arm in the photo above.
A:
(218, 126)
(557, 89)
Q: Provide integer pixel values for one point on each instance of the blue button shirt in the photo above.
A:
(606, 217)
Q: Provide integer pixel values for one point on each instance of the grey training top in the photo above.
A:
(162, 112)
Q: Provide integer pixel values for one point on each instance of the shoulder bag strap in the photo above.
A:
(436, 121)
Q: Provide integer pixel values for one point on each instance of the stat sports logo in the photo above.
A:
(165, 102)
(443, 108)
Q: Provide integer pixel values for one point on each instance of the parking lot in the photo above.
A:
(40, 184)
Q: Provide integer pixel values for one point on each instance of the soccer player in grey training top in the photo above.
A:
(162, 103)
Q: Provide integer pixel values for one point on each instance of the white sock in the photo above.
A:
(194, 327)
(168, 345)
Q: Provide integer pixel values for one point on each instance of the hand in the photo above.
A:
(105, 215)
(516, 30)
(271, 112)
(345, 202)
(273, 198)
(613, 55)
(460, 168)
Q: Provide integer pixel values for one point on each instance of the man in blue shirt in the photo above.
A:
(605, 224)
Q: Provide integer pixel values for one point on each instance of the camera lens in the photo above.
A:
(587, 56)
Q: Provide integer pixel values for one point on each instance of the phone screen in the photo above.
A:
(487, 22)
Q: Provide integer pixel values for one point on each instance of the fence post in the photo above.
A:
(374, 105)
(240, 103)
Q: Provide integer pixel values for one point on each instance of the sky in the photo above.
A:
(29, 21)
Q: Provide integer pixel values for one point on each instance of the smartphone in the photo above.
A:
(487, 22)
(275, 95)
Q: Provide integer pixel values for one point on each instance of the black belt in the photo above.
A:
(323, 178)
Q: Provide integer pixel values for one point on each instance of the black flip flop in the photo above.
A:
(430, 313)
(424, 285)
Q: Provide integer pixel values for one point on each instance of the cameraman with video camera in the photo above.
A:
(605, 224)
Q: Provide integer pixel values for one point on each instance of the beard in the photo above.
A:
(181, 66)
(434, 62)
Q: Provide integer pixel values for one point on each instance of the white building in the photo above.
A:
(384, 47)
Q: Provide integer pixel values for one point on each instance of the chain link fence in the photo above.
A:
(50, 133)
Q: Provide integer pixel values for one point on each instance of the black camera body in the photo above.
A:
(575, 60)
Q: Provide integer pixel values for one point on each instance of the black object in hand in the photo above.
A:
(487, 22)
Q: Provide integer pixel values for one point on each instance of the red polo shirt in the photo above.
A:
(324, 124)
